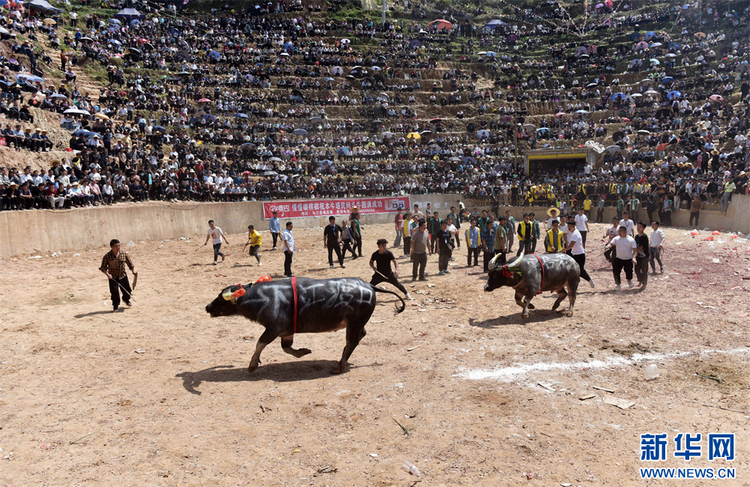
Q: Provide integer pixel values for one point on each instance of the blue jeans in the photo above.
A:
(218, 252)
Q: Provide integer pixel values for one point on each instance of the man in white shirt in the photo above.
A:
(625, 247)
(582, 225)
(288, 247)
(577, 251)
(656, 247)
(215, 234)
(627, 223)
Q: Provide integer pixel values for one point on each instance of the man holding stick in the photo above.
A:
(113, 266)
(383, 258)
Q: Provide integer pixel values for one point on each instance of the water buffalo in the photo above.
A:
(531, 274)
(302, 305)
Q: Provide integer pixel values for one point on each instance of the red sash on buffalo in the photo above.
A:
(294, 291)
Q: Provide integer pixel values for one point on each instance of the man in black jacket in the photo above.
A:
(332, 241)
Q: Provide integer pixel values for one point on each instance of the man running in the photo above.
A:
(215, 234)
(254, 239)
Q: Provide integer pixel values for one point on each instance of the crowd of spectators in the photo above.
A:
(261, 104)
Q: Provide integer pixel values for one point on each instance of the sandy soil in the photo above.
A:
(457, 384)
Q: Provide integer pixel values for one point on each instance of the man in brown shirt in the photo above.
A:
(695, 209)
(113, 266)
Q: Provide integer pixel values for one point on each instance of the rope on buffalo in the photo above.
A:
(294, 291)
(541, 264)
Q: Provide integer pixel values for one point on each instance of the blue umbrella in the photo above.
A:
(30, 78)
(483, 134)
(673, 95)
(214, 55)
(134, 23)
(115, 21)
(300, 132)
(650, 34)
(543, 130)
(618, 95)
(82, 132)
(667, 79)
(161, 129)
(241, 115)
(116, 42)
(491, 54)
(328, 79)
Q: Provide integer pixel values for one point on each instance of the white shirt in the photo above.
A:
(657, 237)
(577, 240)
(289, 240)
(625, 247)
(581, 223)
(629, 225)
(452, 229)
(215, 235)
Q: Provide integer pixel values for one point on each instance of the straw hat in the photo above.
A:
(553, 212)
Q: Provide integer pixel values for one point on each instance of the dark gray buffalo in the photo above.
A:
(321, 305)
(529, 275)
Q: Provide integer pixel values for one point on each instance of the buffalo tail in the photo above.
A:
(403, 303)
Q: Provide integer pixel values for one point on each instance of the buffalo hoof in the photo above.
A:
(568, 313)
(252, 368)
(524, 316)
(531, 306)
(301, 352)
(337, 370)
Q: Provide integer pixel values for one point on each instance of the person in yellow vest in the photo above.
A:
(474, 242)
(254, 239)
(554, 241)
(726, 197)
(524, 235)
(407, 233)
(587, 207)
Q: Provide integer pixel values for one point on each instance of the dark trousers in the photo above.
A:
(444, 258)
(255, 252)
(114, 290)
(641, 269)
(599, 215)
(654, 254)
(696, 215)
(581, 259)
(377, 279)
(433, 243)
(347, 247)
(288, 263)
(583, 238)
(275, 236)
(358, 246)
(487, 257)
(419, 262)
(218, 252)
(532, 245)
(473, 252)
(331, 250)
(618, 265)
(458, 239)
(407, 245)
(608, 253)
(524, 246)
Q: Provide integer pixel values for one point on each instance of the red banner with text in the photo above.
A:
(318, 208)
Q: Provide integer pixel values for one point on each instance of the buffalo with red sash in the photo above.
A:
(530, 275)
(302, 305)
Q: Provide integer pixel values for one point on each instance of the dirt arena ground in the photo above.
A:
(458, 384)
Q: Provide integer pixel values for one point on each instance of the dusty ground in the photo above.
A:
(159, 394)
